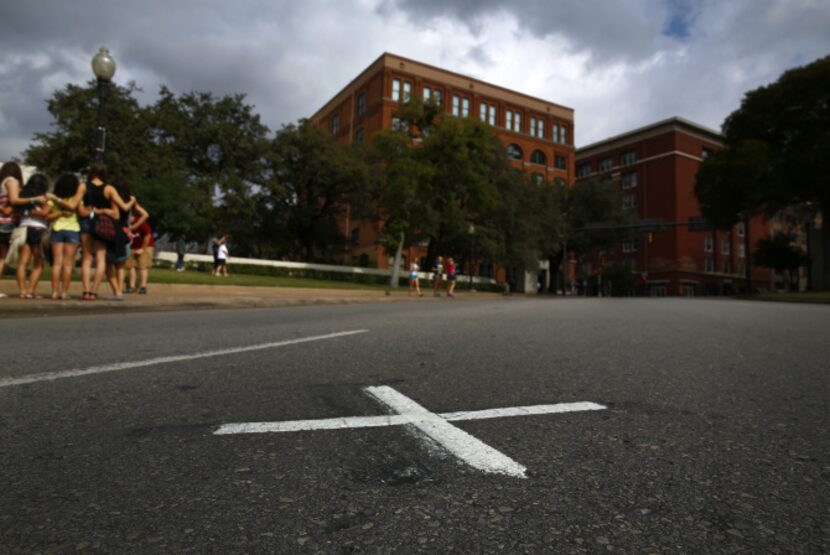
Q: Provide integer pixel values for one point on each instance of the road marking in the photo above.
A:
(115, 367)
(435, 427)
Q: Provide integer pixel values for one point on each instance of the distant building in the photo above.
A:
(538, 134)
(655, 166)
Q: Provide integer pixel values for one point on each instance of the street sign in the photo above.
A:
(433, 429)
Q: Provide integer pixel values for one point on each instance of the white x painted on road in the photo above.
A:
(435, 427)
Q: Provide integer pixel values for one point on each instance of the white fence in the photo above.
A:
(208, 259)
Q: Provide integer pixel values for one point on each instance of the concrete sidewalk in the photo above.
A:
(166, 297)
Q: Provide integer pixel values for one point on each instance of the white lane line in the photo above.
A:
(396, 419)
(49, 376)
(470, 450)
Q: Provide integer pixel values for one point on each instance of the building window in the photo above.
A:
(709, 265)
(482, 112)
(436, 95)
(513, 121)
(629, 247)
(727, 266)
(708, 244)
(407, 91)
(560, 162)
(538, 157)
(514, 152)
(741, 229)
(555, 133)
(742, 268)
(465, 107)
(356, 237)
(726, 246)
(361, 104)
(427, 94)
(630, 200)
(537, 178)
(399, 125)
(540, 128)
(583, 169)
(629, 180)
(358, 135)
(706, 152)
(532, 127)
(396, 90)
(741, 250)
(456, 105)
(335, 123)
(492, 115)
(563, 135)
(606, 164)
(628, 158)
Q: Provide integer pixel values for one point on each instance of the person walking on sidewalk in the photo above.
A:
(438, 270)
(413, 279)
(451, 278)
(222, 258)
(181, 250)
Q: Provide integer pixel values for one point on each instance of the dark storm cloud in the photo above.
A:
(608, 30)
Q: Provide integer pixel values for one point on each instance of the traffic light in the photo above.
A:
(650, 237)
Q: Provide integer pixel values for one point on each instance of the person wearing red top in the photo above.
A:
(141, 254)
(451, 278)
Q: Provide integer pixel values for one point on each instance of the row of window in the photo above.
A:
(514, 152)
(606, 164)
(725, 246)
(726, 266)
(488, 112)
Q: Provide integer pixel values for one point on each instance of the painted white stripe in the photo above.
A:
(49, 376)
(309, 425)
(521, 411)
(470, 450)
(396, 419)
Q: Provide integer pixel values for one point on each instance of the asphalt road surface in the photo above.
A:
(708, 431)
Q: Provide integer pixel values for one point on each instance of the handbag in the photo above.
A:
(103, 227)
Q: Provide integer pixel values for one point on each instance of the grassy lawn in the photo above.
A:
(158, 275)
(809, 297)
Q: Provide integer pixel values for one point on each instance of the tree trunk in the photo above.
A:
(395, 274)
(825, 248)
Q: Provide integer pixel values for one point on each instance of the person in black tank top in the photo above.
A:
(104, 200)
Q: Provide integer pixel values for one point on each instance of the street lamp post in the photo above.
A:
(472, 231)
(103, 66)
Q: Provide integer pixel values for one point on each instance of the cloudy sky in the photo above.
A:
(620, 64)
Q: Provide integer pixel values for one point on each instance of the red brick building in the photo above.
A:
(537, 134)
(655, 166)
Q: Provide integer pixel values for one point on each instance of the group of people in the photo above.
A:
(103, 219)
(440, 271)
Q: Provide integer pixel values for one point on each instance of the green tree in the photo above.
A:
(437, 176)
(311, 182)
(779, 254)
(775, 153)
(597, 201)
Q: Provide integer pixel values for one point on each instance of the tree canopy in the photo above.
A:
(775, 153)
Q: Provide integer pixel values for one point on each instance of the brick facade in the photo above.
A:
(369, 103)
(656, 167)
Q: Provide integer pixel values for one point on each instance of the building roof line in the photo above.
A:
(676, 120)
(442, 70)
(477, 80)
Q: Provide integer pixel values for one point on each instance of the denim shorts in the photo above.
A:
(86, 226)
(65, 236)
(113, 253)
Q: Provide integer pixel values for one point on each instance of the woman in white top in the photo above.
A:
(413, 279)
(222, 258)
(34, 220)
(11, 181)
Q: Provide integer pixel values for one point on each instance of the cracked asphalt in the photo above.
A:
(715, 439)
